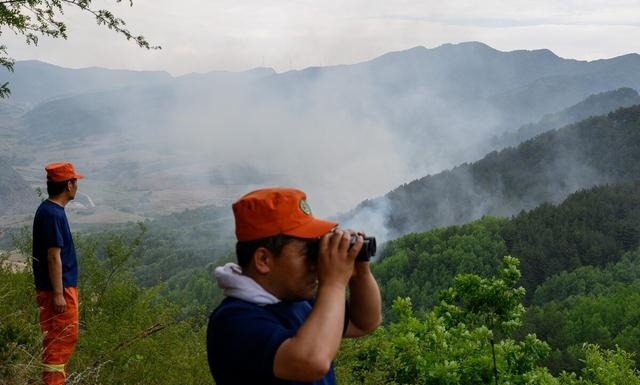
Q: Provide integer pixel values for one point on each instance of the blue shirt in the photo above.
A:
(51, 229)
(242, 340)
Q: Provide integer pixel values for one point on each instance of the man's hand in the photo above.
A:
(336, 260)
(59, 304)
(55, 274)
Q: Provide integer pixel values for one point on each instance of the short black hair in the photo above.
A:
(245, 249)
(57, 188)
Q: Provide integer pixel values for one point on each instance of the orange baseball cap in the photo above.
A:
(271, 211)
(61, 171)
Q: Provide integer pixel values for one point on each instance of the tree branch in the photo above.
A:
(143, 334)
(32, 17)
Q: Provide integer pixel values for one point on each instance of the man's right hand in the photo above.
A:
(336, 257)
(59, 304)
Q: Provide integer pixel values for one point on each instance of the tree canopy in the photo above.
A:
(34, 18)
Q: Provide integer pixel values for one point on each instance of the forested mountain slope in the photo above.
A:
(604, 149)
(578, 262)
(594, 105)
(173, 245)
(593, 227)
(596, 304)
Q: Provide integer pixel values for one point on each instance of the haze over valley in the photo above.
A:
(151, 143)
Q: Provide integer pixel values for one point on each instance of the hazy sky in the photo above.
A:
(206, 35)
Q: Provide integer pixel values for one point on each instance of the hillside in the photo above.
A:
(594, 105)
(593, 227)
(547, 168)
(15, 193)
(578, 261)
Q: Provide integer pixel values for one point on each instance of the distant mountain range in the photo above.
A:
(35, 82)
(426, 99)
(381, 123)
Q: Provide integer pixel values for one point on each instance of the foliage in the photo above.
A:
(34, 18)
(420, 265)
(492, 302)
(609, 366)
(590, 280)
(597, 305)
(602, 366)
(178, 253)
(580, 266)
(452, 344)
(128, 334)
(195, 288)
(182, 241)
(590, 228)
(19, 331)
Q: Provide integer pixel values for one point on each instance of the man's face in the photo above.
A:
(293, 276)
(72, 186)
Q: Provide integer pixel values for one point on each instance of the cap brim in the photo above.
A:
(312, 229)
(78, 176)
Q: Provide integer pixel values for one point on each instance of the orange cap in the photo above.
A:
(267, 212)
(61, 171)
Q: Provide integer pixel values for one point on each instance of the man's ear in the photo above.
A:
(262, 260)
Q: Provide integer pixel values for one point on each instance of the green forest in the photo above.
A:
(548, 296)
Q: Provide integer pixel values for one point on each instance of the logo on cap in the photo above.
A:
(304, 206)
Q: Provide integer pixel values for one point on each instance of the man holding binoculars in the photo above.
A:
(286, 308)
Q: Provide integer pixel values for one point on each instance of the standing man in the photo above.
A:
(55, 270)
(286, 308)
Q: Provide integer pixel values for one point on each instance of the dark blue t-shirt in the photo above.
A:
(51, 229)
(242, 340)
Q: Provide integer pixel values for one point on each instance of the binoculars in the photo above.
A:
(368, 248)
(367, 251)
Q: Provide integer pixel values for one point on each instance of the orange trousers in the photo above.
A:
(60, 334)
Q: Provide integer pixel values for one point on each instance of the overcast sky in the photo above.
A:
(207, 35)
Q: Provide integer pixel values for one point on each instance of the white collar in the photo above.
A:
(237, 285)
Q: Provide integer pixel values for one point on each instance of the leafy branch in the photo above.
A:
(34, 18)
